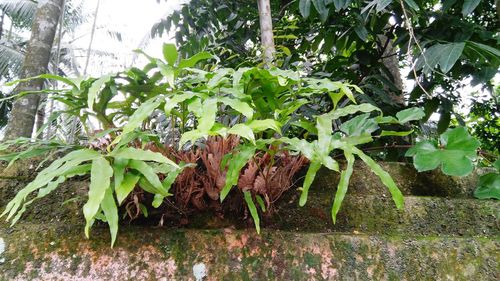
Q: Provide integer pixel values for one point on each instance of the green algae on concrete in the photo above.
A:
(242, 255)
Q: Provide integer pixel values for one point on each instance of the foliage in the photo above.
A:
(489, 184)
(484, 119)
(358, 41)
(454, 154)
(264, 135)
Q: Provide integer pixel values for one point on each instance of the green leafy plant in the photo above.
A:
(489, 184)
(454, 154)
(247, 127)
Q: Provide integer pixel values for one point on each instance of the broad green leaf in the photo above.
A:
(170, 53)
(469, 6)
(119, 165)
(57, 168)
(149, 174)
(172, 102)
(143, 155)
(110, 211)
(142, 113)
(386, 179)
(243, 131)
(238, 105)
(321, 8)
(253, 210)
(305, 8)
(258, 126)
(310, 175)
(169, 180)
(489, 187)
(219, 76)
(236, 162)
(192, 136)
(126, 186)
(94, 90)
(451, 54)
(410, 114)
(343, 185)
(493, 51)
(192, 61)
(444, 55)
(100, 175)
(207, 120)
(168, 72)
(351, 109)
(157, 200)
(455, 156)
(359, 125)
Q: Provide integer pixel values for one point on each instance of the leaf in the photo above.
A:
(452, 53)
(310, 175)
(170, 53)
(236, 162)
(143, 155)
(455, 157)
(469, 6)
(244, 131)
(65, 80)
(321, 8)
(386, 179)
(94, 90)
(343, 185)
(126, 186)
(140, 114)
(100, 175)
(119, 165)
(57, 168)
(261, 203)
(192, 61)
(444, 121)
(341, 4)
(238, 105)
(168, 72)
(207, 120)
(351, 109)
(412, 5)
(108, 206)
(305, 8)
(444, 55)
(410, 114)
(252, 209)
(488, 187)
(149, 174)
(395, 133)
(359, 125)
(258, 126)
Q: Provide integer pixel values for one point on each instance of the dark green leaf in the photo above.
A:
(469, 6)
(489, 187)
(252, 209)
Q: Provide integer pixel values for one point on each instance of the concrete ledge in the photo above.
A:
(60, 252)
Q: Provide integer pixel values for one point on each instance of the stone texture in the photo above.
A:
(62, 253)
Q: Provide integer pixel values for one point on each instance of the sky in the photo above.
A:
(133, 19)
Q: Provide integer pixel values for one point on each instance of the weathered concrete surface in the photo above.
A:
(62, 253)
(447, 237)
(409, 181)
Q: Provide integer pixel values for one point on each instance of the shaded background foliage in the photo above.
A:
(364, 42)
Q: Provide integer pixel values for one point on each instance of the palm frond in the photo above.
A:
(20, 11)
(11, 60)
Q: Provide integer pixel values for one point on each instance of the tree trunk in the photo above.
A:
(391, 62)
(35, 63)
(266, 31)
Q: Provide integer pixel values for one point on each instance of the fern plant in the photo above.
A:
(266, 109)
